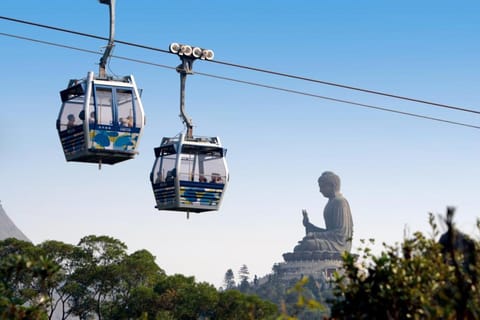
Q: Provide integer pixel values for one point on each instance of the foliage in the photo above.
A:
(244, 276)
(98, 279)
(60, 288)
(186, 299)
(305, 299)
(420, 278)
(295, 298)
(24, 281)
(416, 279)
(229, 280)
(235, 305)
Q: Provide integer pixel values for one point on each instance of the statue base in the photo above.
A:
(317, 269)
(312, 255)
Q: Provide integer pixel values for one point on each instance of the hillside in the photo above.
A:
(8, 229)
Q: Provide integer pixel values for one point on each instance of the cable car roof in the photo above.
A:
(204, 145)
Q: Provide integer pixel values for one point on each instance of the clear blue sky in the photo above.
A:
(394, 169)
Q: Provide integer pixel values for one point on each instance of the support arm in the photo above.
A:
(111, 42)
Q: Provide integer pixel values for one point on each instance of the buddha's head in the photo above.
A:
(329, 184)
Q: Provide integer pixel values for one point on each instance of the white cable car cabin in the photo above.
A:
(189, 174)
(101, 120)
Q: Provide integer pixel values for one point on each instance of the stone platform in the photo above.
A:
(318, 269)
(312, 255)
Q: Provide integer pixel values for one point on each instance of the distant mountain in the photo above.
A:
(8, 229)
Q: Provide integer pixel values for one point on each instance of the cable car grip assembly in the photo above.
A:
(188, 55)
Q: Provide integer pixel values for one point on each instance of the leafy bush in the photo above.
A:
(417, 279)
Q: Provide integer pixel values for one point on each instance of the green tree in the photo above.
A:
(20, 283)
(302, 298)
(244, 277)
(415, 279)
(61, 287)
(140, 270)
(229, 280)
(144, 303)
(185, 298)
(24, 278)
(138, 274)
(233, 304)
(98, 277)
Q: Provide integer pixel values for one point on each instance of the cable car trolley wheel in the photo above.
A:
(189, 174)
(101, 120)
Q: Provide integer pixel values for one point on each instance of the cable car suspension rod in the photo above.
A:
(111, 42)
(188, 55)
(185, 69)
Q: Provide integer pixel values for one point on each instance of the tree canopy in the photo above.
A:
(98, 278)
(419, 278)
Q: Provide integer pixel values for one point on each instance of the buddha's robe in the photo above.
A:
(337, 237)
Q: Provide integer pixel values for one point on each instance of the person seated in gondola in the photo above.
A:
(92, 117)
(159, 177)
(171, 174)
(130, 121)
(123, 122)
(216, 178)
(71, 121)
(202, 179)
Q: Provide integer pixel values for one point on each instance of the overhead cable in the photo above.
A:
(253, 83)
(375, 92)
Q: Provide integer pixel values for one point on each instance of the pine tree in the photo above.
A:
(244, 276)
(229, 280)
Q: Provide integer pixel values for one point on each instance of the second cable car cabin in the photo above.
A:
(101, 120)
(189, 174)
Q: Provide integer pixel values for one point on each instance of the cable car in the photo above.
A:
(190, 173)
(101, 119)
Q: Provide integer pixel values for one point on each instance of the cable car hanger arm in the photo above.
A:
(111, 41)
(185, 69)
(188, 55)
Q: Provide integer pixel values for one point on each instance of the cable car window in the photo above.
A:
(103, 101)
(125, 108)
(166, 169)
(202, 164)
(155, 176)
(187, 169)
(70, 113)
